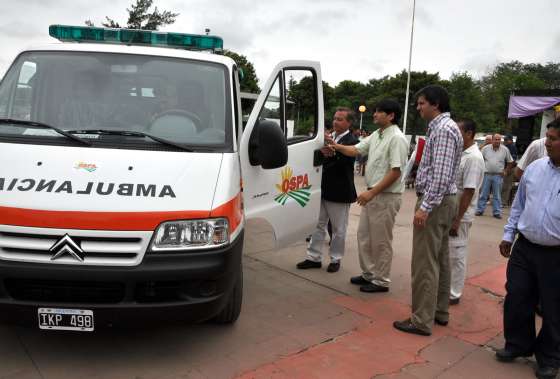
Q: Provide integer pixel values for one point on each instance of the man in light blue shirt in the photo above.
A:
(534, 265)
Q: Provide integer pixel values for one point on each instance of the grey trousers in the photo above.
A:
(338, 214)
(430, 265)
(375, 237)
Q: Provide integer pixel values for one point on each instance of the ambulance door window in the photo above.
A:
(301, 104)
(273, 108)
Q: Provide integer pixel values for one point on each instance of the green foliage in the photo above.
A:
(250, 82)
(500, 82)
(140, 17)
(467, 100)
(304, 126)
(485, 100)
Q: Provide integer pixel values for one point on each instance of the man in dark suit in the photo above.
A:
(337, 193)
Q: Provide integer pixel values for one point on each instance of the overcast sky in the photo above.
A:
(357, 40)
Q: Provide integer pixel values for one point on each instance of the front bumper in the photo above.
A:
(191, 287)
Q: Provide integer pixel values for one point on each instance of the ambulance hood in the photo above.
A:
(106, 180)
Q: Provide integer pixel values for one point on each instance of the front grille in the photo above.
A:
(63, 291)
(100, 247)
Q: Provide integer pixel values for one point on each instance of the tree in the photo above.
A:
(394, 87)
(498, 85)
(549, 73)
(250, 82)
(139, 17)
(467, 101)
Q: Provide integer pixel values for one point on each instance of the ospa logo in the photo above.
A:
(293, 187)
(89, 167)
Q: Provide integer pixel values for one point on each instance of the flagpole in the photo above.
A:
(409, 64)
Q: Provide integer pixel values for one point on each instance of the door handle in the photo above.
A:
(318, 158)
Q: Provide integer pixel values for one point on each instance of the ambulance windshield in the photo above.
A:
(179, 100)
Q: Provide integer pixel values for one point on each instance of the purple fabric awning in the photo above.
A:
(522, 106)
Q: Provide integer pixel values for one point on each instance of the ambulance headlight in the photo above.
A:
(191, 234)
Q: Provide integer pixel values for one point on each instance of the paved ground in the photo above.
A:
(297, 324)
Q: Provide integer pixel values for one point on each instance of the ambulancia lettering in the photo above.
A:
(89, 188)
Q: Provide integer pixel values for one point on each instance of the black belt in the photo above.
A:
(544, 247)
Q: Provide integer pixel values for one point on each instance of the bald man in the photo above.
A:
(495, 157)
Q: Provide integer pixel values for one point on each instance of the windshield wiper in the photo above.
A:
(129, 133)
(39, 125)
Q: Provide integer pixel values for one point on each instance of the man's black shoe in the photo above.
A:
(454, 301)
(308, 264)
(478, 214)
(371, 287)
(504, 355)
(499, 217)
(333, 267)
(546, 372)
(408, 327)
(359, 280)
(441, 322)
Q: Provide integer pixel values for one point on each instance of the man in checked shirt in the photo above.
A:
(435, 209)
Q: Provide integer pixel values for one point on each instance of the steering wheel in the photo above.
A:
(181, 113)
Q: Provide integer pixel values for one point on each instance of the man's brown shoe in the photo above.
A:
(408, 327)
(333, 267)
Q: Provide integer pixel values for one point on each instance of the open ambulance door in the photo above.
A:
(282, 176)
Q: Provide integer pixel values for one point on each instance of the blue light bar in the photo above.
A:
(66, 33)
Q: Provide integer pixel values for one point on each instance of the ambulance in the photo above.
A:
(127, 177)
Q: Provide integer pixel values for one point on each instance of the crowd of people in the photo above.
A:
(453, 182)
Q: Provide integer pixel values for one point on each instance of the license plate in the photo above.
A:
(66, 319)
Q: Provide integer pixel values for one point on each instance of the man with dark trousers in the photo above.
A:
(337, 193)
(534, 263)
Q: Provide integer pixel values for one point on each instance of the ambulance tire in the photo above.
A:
(231, 311)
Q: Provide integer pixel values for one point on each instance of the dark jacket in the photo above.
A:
(337, 183)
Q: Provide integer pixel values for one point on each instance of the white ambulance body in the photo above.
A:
(126, 180)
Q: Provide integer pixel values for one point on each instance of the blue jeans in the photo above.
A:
(491, 182)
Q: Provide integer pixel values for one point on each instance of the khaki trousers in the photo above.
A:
(430, 265)
(375, 237)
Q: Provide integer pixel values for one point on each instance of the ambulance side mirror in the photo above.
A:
(267, 145)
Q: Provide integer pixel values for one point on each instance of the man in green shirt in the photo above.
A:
(387, 151)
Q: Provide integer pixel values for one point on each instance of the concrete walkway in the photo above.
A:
(370, 347)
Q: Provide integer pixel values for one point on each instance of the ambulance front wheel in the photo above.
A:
(231, 311)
